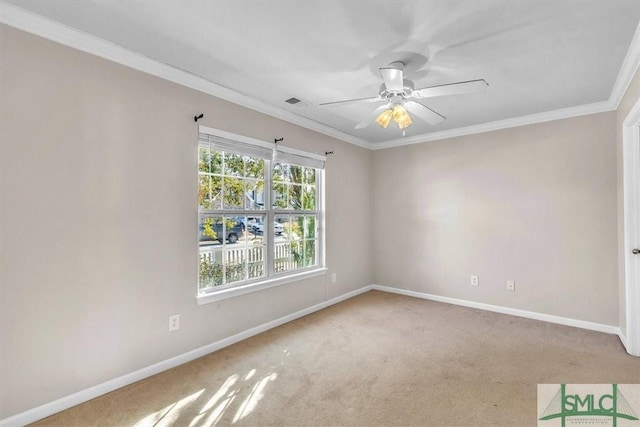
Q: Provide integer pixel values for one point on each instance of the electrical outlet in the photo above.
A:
(511, 285)
(174, 322)
(334, 278)
(474, 281)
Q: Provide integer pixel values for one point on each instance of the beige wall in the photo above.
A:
(535, 204)
(631, 96)
(99, 221)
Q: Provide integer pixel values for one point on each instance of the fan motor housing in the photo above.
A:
(407, 89)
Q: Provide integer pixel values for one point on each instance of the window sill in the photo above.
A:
(222, 294)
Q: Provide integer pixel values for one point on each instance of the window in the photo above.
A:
(260, 218)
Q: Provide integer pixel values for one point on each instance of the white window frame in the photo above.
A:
(271, 278)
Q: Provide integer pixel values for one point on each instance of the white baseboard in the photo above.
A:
(61, 404)
(609, 329)
(623, 339)
(74, 399)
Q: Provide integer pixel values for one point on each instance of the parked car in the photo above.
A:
(251, 221)
(258, 227)
(234, 230)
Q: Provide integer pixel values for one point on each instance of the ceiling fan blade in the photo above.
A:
(372, 117)
(424, 113)
(393, 76)
(350, 101)
(472, 86)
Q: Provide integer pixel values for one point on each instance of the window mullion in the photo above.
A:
(320, 219)
(223, 172)
(268, 231)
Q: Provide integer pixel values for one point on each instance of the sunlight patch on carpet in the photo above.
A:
(168, 415)
(224, 388)
(254, 397)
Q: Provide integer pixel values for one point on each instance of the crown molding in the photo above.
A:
(27, 21)
(35, 24)
(565, 113)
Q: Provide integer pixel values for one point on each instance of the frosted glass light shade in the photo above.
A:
(385, 118)
(401, 117)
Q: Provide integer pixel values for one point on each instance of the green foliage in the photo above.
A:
(294, 187)
(303, 249)
(226, 178)
(235, 273)
(207, 228)
(217, 269)
(211, 273)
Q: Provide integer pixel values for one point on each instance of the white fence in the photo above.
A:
(253, 256)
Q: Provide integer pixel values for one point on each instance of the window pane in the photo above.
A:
(309, 176)
(216, 162)
(209, 161)
(211, 229)
(295, 174)
(310, 227)
(204, 191)
(230, 230)
(235, 265)
(210, 271)
(295, 196)
(309, 197)
(280, 172)
(204, 164)
(207, 235)
(254, 168)
(309, 247)
(254, 194)
(280, 195)
(287, 254)
(296, 226)
(215, 230)
(255, 261)
(216, 192)
(254, 248)
(296, 248)
(233, 193)
(210, 267)
(255, 228)
(283, 224)
(233, 165)
(281, 257)
(297, 255)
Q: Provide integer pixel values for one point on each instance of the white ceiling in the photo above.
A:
(537, 56)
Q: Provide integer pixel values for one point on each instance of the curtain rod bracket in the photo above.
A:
(326, 153)
(276, 140)
(196, 118)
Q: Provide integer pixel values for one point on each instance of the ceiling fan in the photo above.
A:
(400, 98)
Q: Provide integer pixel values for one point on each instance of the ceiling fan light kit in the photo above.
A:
(385, 118)
(401, 117)
(400, 96)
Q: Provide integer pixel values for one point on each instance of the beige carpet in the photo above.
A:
(376, 360)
